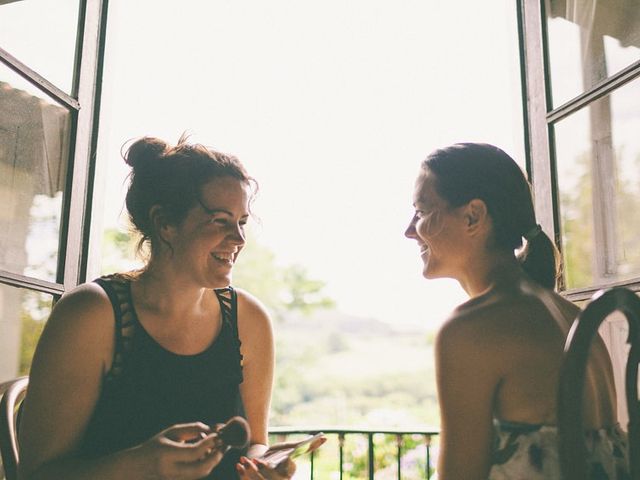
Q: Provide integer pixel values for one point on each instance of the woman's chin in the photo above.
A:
(219, 281)
(430, 273)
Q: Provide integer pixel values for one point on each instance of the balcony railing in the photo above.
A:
(407, 445)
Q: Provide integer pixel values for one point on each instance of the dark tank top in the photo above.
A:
(149, 388)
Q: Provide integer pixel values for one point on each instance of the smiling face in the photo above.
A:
(438, 229)
(207, 243)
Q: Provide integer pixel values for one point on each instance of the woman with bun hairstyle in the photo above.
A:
(498, 355)
(135, 371)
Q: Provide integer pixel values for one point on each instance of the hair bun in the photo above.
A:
(145, 151)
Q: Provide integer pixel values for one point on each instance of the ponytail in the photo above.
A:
(539, 258)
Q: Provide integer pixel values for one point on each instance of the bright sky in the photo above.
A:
(331, 105)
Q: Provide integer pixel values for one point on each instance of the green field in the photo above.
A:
(340, 371)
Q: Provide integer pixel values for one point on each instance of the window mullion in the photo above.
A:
(31, 283)
(84, 142)
(38, 80)
(601, 89)
(541, 168)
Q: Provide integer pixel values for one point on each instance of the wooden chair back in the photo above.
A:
(14, 392)
(572, 446)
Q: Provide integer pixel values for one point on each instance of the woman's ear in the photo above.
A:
(161, 225)
(476, 216)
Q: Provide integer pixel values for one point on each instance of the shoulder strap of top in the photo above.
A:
(228, 298)
(119, 293)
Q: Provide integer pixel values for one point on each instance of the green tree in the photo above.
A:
(577, 227)
(257, 272)
(119, 251)
(628, 220)
(303, 293)
(35, 310)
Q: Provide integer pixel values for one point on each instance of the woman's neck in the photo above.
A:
(489, 271)
(163, 291)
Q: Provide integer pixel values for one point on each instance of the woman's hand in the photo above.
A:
(182, 452)
(256, 469)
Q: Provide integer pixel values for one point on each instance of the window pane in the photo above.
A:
(34, 147)
(23, 314)
(598, 158)
(590, 41)
(42, 34)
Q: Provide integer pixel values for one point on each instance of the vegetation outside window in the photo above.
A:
(598, 159)
(31, 309)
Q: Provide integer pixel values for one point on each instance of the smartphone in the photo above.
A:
(280, 452)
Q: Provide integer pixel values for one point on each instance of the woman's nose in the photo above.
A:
(238, 236)
(410, 232)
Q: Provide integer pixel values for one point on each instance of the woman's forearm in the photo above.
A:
(117, 465)
(256, 450)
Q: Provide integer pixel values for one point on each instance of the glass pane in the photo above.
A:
(42, 34)
(34, 151)
(598, 158)
(589, 41)
(23, 314)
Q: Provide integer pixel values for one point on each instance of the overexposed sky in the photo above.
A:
(331, 105)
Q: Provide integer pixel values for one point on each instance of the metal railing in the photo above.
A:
(279, 434)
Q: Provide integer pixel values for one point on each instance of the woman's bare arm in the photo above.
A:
(467, 377)
(73, 354)
(256, 334)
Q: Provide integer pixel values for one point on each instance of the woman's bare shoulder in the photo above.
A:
(87, 299)
(251, 311)
(466, 325)
(255, 330)
(496, 317)
(491, 307)
(84, 314)
(471, 342)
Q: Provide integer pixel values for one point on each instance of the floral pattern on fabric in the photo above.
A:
(523, 451)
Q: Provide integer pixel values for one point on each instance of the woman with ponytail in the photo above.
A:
(498, 356)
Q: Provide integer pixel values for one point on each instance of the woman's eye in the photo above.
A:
(224, 222)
